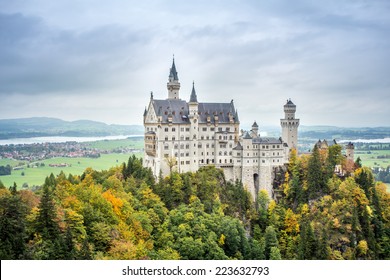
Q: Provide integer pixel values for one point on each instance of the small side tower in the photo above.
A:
(173, 84)
(194, 124)
(290, 125)
(255, 130)
(350, 151)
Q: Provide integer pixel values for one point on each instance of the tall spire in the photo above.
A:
(193, 97)
(173, 84)
(173, 73)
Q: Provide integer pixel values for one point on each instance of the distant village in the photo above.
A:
(41, 151)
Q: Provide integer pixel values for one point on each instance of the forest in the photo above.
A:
(124, 213)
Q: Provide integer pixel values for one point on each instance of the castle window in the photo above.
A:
(173, 138)
(230, 137)
(228, 129)
(187, 138)
(182, 162)
(166, 138)
(219, 128)
(201, 137)
(173, 129)
(263, 161)
(176, 146)
(225, 153)
(166, 155)
(187, 129)
(187, 146)
(166, 147)
(182, 129)
(166, 129)
(187, 154)
(231, 161)
(204, 128)
(220, 161)
(187, 162)
(212, 128)
(182, 154)
(220, 153)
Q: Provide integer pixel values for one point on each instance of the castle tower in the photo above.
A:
(194, 122)
(255, 130)
(350, 151)
(173, 84)
(290, 125)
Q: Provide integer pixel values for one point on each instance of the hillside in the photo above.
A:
(38, 127)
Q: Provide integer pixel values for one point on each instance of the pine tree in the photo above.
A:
(12, 227)
(315, 176)
(271, 240)
(46, 221)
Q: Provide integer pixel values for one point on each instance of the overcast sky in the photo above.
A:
(99, 60)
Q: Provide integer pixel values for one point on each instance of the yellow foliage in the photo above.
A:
(116, 202)
(189, 216)
(221, 240)
(291, 222)
(362, 248)
(305, 209)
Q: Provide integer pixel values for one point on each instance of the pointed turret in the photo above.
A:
(193, 97)
(173, 73)
(173, 84)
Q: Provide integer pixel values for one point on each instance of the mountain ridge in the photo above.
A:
(46, 126)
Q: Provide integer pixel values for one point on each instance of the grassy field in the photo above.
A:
(109, 145)
(76, 166)
(370, 158)
(37, 175)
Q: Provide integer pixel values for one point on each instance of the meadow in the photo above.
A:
(34, 174)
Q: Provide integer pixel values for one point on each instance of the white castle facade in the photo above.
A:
(185, 136)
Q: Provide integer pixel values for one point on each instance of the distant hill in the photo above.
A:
(42, 126)
(345, 133)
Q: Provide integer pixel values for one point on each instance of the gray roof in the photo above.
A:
(267, 140)
(179, 111)
(255, 124)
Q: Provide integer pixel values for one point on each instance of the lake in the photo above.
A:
(62, 139)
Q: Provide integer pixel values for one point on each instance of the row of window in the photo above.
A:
(187, 146)
(263, 146)
(182, 129)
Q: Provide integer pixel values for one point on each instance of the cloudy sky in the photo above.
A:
(99, 60)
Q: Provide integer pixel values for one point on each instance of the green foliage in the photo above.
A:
(121, 213)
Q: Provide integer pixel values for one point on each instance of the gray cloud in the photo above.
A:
(102, 60)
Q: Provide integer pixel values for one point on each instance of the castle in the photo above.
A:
(185, 136)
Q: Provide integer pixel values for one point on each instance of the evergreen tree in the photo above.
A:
(12, 227)
(275, 254)
(271, 240)
(315, 176)
(46, 221)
